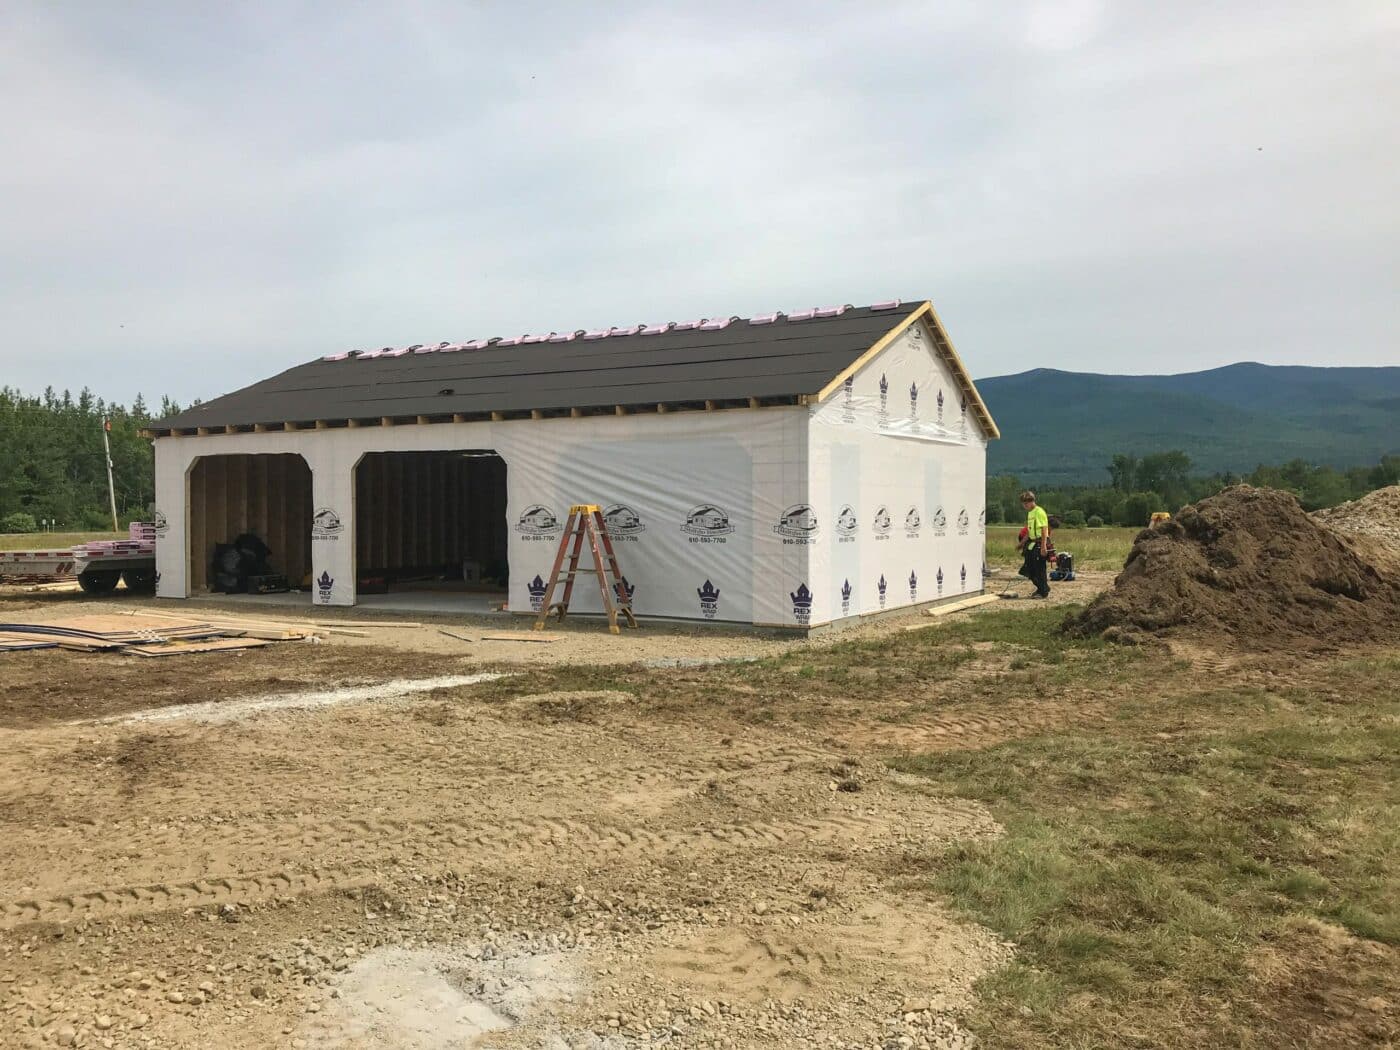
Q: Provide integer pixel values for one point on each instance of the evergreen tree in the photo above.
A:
(52, 465)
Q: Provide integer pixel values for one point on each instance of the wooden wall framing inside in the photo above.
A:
(266, 495)
(421, 511)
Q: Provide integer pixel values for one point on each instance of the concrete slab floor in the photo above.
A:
(438, 602)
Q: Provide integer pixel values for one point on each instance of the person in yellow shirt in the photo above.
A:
(1037, 548)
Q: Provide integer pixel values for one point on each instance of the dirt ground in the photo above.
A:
(477, 861)
(576, 642)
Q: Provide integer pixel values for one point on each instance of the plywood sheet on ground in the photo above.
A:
(213, 645)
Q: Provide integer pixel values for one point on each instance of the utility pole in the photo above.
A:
(111, 488)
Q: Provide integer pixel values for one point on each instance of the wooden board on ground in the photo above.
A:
(61, 640)
(213, 645)
(140, 633)
(938, 612)
(959, 606)
(366, 623)
(120, 626)
(520, 636)
(272, 631)
(16, 646)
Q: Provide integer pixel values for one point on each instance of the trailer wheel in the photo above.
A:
(140, 581)
(99, 581)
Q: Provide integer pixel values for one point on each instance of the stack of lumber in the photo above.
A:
(278, 630)
(141, 541)
(146, 635)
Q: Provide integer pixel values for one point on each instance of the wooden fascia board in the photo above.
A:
(496, 416)
(965, 377)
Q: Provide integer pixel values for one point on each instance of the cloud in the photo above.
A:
(205, 195)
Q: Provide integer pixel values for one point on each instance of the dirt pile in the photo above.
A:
(1247, 567)
(1374, 514)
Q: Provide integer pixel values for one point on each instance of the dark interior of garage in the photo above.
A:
(266, 496)
(429, 520)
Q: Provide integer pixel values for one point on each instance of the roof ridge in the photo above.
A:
(705, 324)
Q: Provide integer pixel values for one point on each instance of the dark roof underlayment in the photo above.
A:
(774, 357)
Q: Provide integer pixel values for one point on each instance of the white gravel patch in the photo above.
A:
(218, 711)
(398, 999)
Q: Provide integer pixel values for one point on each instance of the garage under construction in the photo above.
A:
(782, 470)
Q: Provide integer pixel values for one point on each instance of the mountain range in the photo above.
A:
(1063, 428)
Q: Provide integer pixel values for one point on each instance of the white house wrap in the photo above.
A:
(859, 493)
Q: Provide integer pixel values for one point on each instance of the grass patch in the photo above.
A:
(1105, 548)
(1149, 867)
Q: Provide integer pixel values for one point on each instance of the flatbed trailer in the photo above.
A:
(98, 567)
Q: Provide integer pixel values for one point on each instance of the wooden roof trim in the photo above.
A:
(884, 341)
(497, 416)
(962, 375)
(946, 351)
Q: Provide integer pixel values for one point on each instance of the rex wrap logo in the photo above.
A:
(161, 523)
(940, 406)
(913, 521)
(962, 423)
(914, 405)
(325, 583)
(326, 525)
(846, 598)
(847, 524)
(962, 576)
(538, 522)
(939, 521)
(884, 401)
(962, 521)
(848, 403)
(939, 579)
(798, 525)
(881, 525)
(801, 603)
(707, 523)
(882, 587)
(623, 522)
(982, 520)
(913, 586)
(536, 589)
(709, 600)
(625, 590)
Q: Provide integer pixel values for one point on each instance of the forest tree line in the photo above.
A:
(1139, 486)
(52, 470)
(52, 465)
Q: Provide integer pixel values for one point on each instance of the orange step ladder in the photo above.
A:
(586, 520)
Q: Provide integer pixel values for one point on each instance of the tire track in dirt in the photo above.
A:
(451, 842)
(123, 900)
(643, 768)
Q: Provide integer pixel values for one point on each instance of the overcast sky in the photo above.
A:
(196, 196)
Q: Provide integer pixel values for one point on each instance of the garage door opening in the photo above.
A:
(432, 525)
(264, 496)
